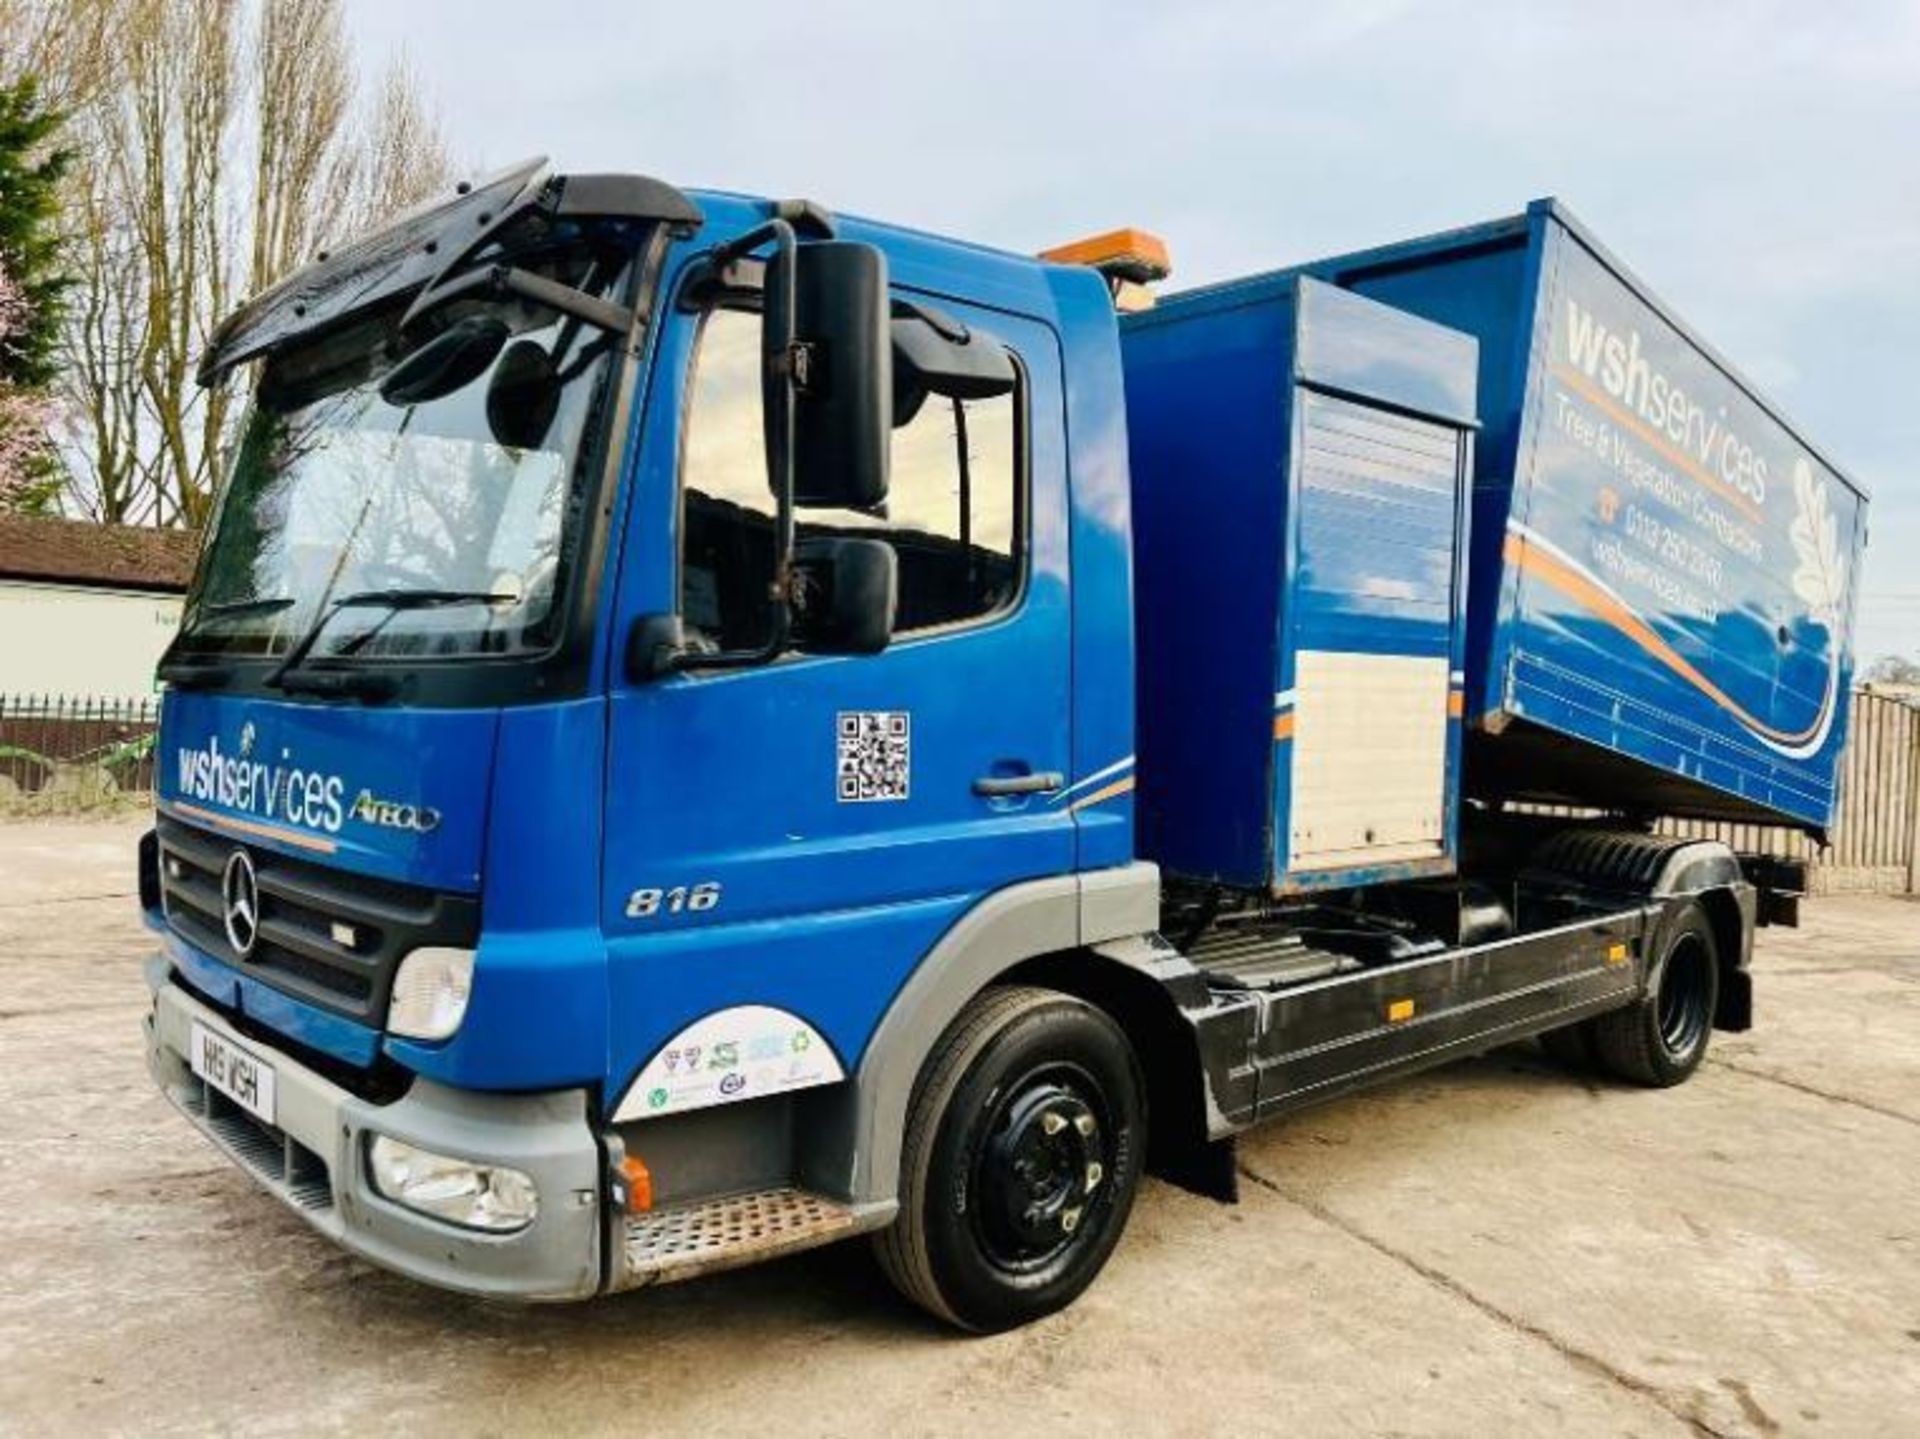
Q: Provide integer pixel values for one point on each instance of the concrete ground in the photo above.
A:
(1495, 1248)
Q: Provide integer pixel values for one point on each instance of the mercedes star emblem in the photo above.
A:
(240, 903)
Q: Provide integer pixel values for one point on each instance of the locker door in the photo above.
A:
(1370, 625)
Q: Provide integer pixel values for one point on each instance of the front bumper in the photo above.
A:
(314, 1160)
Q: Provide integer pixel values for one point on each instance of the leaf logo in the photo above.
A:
(1820, 577)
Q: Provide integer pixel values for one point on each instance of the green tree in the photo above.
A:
(32, 167)
(32, 284)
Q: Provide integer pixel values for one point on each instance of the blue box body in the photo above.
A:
(1264, 523)
(1663, 571)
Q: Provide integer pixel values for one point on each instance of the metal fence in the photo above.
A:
(1876, 839)
(59, 751)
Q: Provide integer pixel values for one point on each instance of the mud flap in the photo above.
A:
(1209, 1169)
(1735, 1010)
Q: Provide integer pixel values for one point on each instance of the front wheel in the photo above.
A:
(1022, 1154)
(1661, 1039)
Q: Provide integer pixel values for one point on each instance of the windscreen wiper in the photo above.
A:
(186, 674)
(287, 674)
(192, 675)
(264, 605)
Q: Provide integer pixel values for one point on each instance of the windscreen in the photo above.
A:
(337, 490)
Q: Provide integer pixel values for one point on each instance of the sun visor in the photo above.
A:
(420, 245)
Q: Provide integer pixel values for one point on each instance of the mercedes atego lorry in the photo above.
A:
(704, 727)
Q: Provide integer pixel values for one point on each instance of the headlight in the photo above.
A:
(430, 993)
(478, 1196)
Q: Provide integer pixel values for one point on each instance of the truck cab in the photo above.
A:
(557, 825)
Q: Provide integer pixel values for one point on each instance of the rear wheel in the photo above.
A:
(1022, 1154)
(1661, 1039)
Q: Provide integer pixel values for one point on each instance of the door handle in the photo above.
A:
(996, 786)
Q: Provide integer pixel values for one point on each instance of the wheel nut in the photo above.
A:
(1095, 1173)
(1051, 1123)
(1085, 1125)
(1069, 1220)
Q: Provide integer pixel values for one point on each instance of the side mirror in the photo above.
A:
(457, 356)
(845, 595)
(832, 381)
(655, 647)
(522, 396)
(934, 354)
(826, 381)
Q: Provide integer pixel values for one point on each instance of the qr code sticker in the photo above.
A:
(874, 755)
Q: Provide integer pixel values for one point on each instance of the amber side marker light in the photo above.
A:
(1130, 259)
(637, 1180)
(1399, 1011)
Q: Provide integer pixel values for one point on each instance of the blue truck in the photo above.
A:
(705, 727)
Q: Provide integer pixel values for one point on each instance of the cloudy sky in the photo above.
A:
(1758, 164)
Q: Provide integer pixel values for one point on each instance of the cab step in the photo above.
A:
(666, 1245)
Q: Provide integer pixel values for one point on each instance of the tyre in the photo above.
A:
(1022, 1153)
(1661, 1039)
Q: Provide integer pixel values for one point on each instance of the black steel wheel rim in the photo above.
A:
(1043, 1170)
(1683, 997)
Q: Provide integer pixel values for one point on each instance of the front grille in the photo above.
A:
(381, 1082)
(298, 951)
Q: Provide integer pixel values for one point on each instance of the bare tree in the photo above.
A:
(223, 143)
(1893, 670)
(67, 48)
(106, 334)
(170, 162)
(303, 175)
(402, 153)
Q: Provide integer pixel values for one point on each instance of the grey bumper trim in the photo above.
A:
(322, 1175)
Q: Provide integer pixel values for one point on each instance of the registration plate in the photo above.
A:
(243, 1078)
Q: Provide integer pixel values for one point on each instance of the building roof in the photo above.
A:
(78, 552)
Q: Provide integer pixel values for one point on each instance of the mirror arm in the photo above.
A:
(602, 314)
(616, 320)
(960, 444)
(780, 592)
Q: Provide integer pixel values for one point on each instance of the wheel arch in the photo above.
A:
(1708, 872)
(1163, 1043)
(1043, 925)
(1671, 868)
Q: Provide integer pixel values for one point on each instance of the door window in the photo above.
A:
(955, 514)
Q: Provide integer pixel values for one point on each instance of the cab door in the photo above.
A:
(798, 834)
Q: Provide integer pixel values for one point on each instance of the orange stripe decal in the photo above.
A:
(1626, 419)
(1576, 586)
(299, 839)
(1118, 787)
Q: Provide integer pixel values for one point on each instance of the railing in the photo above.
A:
(60, 752)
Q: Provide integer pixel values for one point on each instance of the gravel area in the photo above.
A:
(1497, 1247)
